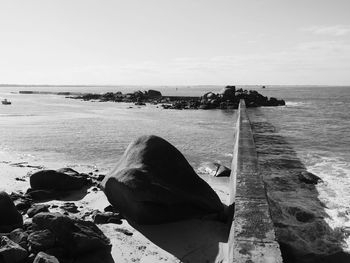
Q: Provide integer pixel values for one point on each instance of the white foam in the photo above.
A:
(335, 193)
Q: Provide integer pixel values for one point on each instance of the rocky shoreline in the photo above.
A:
(228, 98)
(64, 216)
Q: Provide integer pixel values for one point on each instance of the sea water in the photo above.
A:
(51, 129)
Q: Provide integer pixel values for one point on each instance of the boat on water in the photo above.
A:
(6, 102)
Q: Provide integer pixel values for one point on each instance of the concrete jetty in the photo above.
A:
(252, 237)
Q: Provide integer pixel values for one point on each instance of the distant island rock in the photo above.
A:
(227, 98)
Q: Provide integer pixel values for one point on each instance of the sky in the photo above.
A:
(175, 42)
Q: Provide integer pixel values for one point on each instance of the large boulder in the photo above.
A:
(153, 183)
(75, 236)
(57, 180)
(10, 252)
(10, 218)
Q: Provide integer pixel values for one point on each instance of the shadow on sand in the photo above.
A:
(297, 213)
(194, 240)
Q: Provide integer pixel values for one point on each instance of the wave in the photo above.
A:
(335, 192)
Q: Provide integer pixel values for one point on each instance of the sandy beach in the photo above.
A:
(195, 240)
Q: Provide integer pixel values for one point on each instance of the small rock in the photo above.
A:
(10, 252)
(20, 179)
(309, 178)
(100, 177)
(106, 218)
(37, 209)
(110, 208)
(57, 180)
(70, 207)
(124, 231)
(42, 257)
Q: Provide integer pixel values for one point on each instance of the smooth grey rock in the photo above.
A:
(55, 180)
(153, 183)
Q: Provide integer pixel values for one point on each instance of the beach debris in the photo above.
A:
(163, 188)
(10, 218)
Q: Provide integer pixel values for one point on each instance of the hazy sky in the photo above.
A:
(173, 42)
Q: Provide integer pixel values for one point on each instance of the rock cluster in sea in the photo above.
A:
(228, 98)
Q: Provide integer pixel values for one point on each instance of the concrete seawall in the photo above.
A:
(252, 237)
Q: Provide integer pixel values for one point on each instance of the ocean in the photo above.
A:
(55, 131)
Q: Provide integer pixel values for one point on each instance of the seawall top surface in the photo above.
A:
(252, 236)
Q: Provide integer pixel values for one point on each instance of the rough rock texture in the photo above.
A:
(57, 180)
(41, 240)
(42, 257)
(153, 183)
(10, 252)
(75, 236)
(20, 237)
(10, 218)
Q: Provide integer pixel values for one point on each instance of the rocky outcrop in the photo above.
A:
(228, 98)
(153, 183)
(57, 180)
(10, 218)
